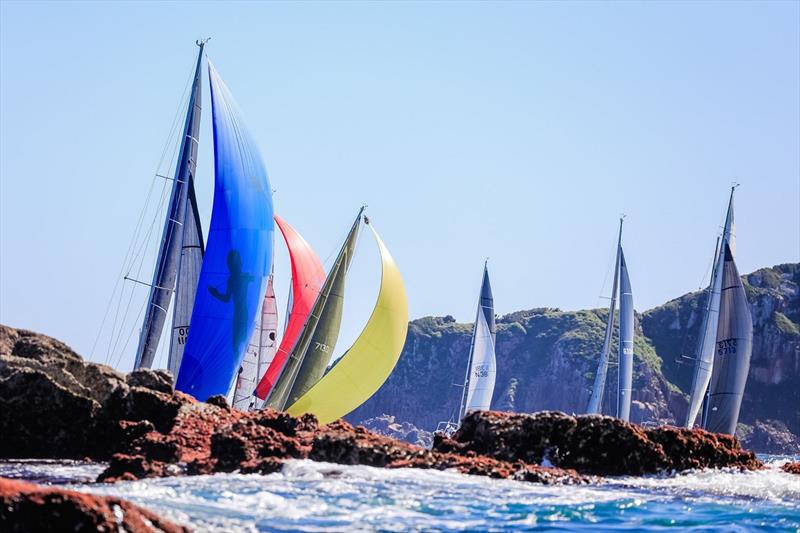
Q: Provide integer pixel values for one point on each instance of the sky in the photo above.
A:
(516, 131)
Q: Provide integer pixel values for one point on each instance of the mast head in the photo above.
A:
(202, 42)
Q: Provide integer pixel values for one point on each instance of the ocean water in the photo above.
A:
(310, 496)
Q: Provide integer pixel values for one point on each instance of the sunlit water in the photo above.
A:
(309, 496)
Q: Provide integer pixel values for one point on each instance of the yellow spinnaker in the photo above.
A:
(368, 363)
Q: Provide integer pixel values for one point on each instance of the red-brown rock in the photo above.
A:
(791, 468)
(25, 507)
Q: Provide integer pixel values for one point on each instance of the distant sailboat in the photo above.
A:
(725, 343)
(622, 284)
(481, 370)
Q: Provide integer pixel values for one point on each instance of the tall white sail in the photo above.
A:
(259, 354)
(625, 342)
(481, 366)
(596, 400)
(708, 334)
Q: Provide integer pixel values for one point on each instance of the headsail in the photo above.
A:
(708, 333)
(180, 209)
(596, 400)
(733, 350)
(481, 368)
(238, 257)
(259, 354)
(365, 366)
(625, 341)
(307, 278)
(320, 332)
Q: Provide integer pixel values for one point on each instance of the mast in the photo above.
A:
(708, 335)
(165, 273)
(596, 400)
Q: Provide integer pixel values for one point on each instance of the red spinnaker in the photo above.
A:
(307, 278)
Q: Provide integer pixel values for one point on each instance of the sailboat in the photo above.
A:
(181, 250)
(305, 383)
(621, 283)
(481, 372)
(725, 343)
(217, 290)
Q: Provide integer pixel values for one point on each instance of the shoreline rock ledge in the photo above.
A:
(26, 507)
(55, 405)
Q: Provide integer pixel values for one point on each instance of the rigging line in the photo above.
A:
(138, 226)
(147, 239)
(611, 261)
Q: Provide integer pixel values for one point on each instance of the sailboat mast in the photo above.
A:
(165, 273)
(596, 400)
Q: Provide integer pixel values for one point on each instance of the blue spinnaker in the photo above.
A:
(238, 255)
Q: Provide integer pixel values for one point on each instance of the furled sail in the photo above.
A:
(307, 278)
(732, 357)
(708, 333)
(599, 385)
(625, 341)
(360, 372)
(481, 369)
(259, 354)
(180, 209)
(314, 347)
(238, 256)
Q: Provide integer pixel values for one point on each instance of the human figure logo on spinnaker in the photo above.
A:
(236, 290)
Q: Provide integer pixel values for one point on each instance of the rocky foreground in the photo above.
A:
(53, 404)
(25, 507)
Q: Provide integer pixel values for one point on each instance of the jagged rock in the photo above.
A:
(387, 425)
(791, 468)
(769, 436)
(157, 380)
(25, 507)
(54, 404)
(593, 444)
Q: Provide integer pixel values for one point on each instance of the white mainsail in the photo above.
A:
(625, 389)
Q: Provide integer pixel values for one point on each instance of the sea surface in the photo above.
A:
(310, 496)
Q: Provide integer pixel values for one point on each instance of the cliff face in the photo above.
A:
(546, 360)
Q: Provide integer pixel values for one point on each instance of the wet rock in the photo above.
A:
(219, 400)
(25, 507)
(791, 468)
(593, 444)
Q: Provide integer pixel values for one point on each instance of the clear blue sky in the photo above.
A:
(517, 131)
